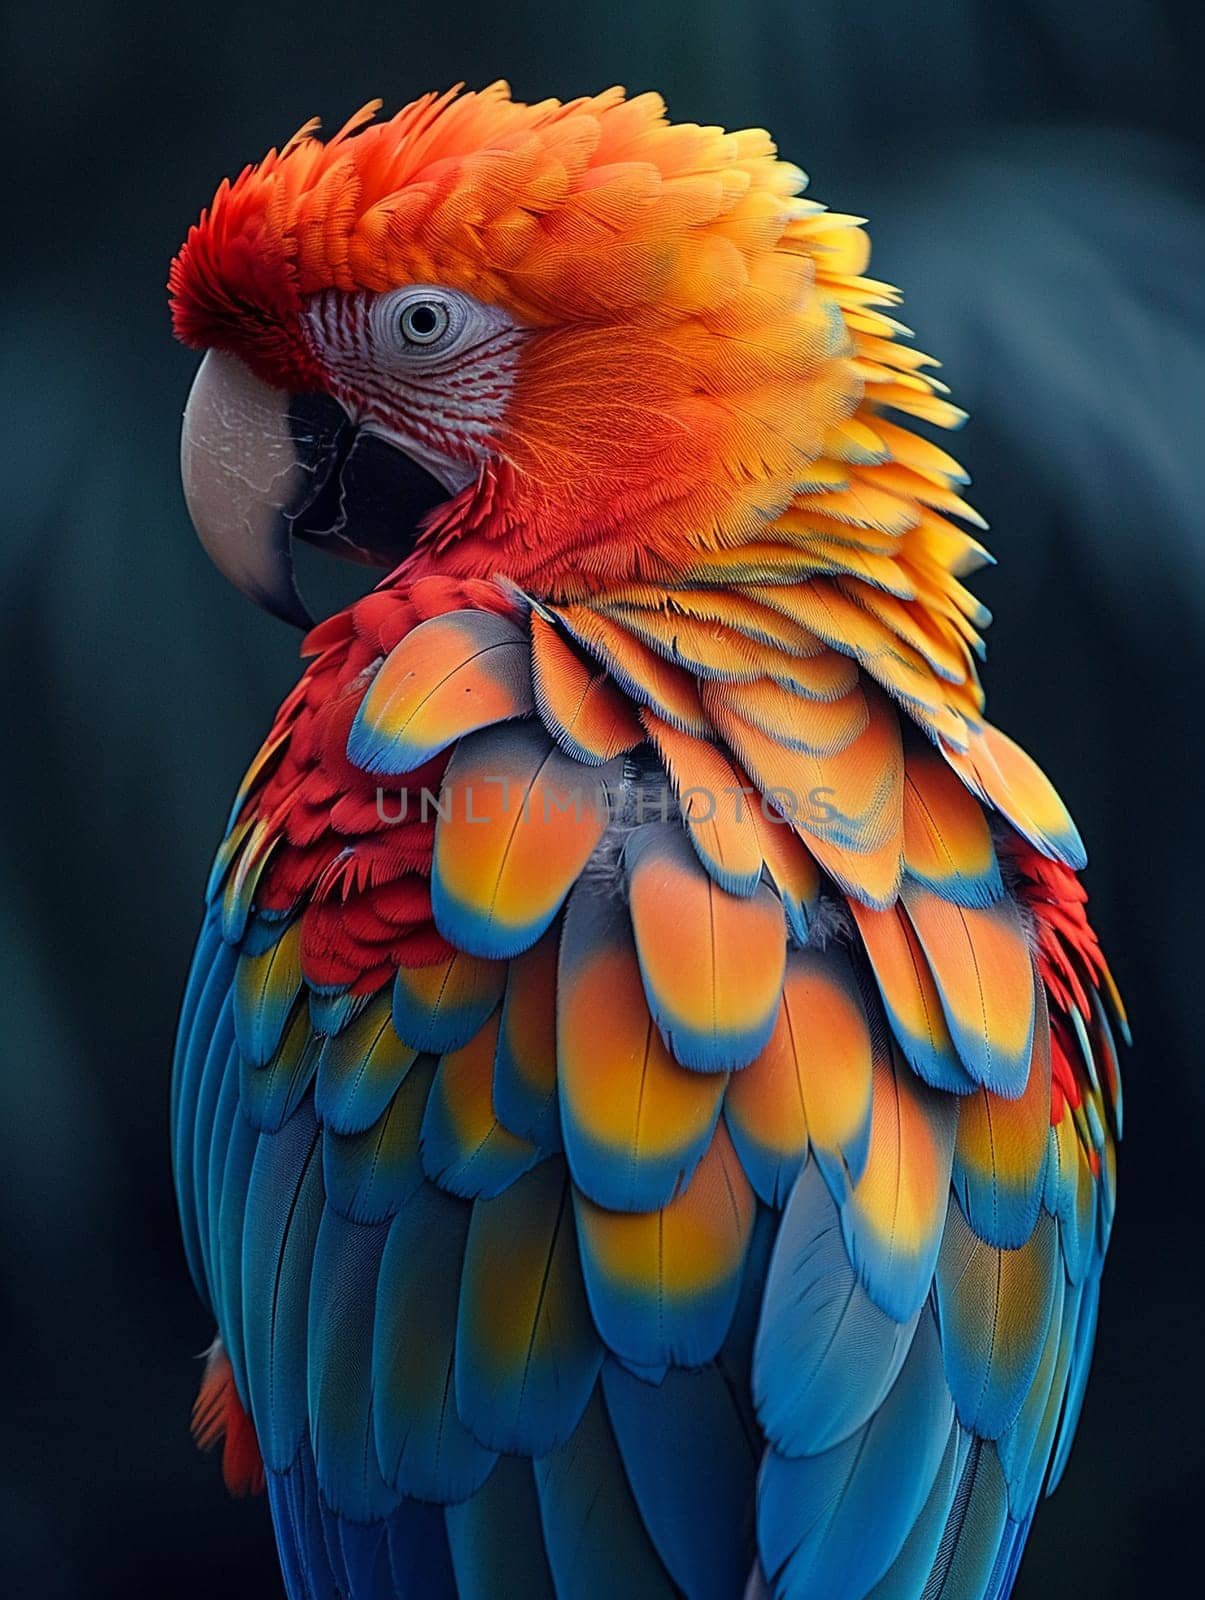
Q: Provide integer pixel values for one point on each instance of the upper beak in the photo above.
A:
(261, 466)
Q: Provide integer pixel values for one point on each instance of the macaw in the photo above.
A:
(646, 1095)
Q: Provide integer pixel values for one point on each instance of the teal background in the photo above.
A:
(1034, 177)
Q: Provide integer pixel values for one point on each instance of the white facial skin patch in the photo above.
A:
(428, 368)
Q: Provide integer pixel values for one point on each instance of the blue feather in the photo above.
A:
(519, 1107)
(453, 1016)
(332, 1009)
(1068, 1195)
(826, 1356)
(359, 1070)
(362, 1556)
(230, 1195)
(974, 1531)
(771, 1173)
(947, 939)
(270, 1094)
(656, 1155)
(647, 1316)
(908, 1574)
(265, 986)
(592, 1529)
(527, 1352)
(482, 934)
(221, 1092)
(1008, 1559)
(209, 981)
(263, 930)
(210, 974)
(284, 1208)
(327, 1557)
(1002, 1213)
(897, 1271)
(227, 851)
(699, 1512)
(940, 1068)
(994, 1307)
(649, 1331)
(1025, 1448)
(458, 1157)
(418, 1553)
(964, 889)
(213, 1066)
(832, 1524)
(343, 1292)
(736, 1356)
(496, 1539)
(1077, 1379)
(282, 1495)
(300, 1539)
(369, 1176)
(1101, 1018)
(735, 1359)
(424, 1448)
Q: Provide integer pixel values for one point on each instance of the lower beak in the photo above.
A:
(262, 467)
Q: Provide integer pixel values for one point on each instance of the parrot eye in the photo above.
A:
(423, 322)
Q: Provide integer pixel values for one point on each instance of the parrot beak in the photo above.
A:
(261, 467)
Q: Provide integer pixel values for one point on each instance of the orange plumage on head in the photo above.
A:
(684, 367)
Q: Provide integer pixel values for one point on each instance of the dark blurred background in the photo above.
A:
(1034, 174)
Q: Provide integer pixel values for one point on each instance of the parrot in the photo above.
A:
(646, 1098)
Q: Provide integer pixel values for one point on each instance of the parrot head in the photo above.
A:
(568, 344)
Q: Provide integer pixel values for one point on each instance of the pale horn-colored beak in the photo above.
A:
(261, 467)
(243, 477)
